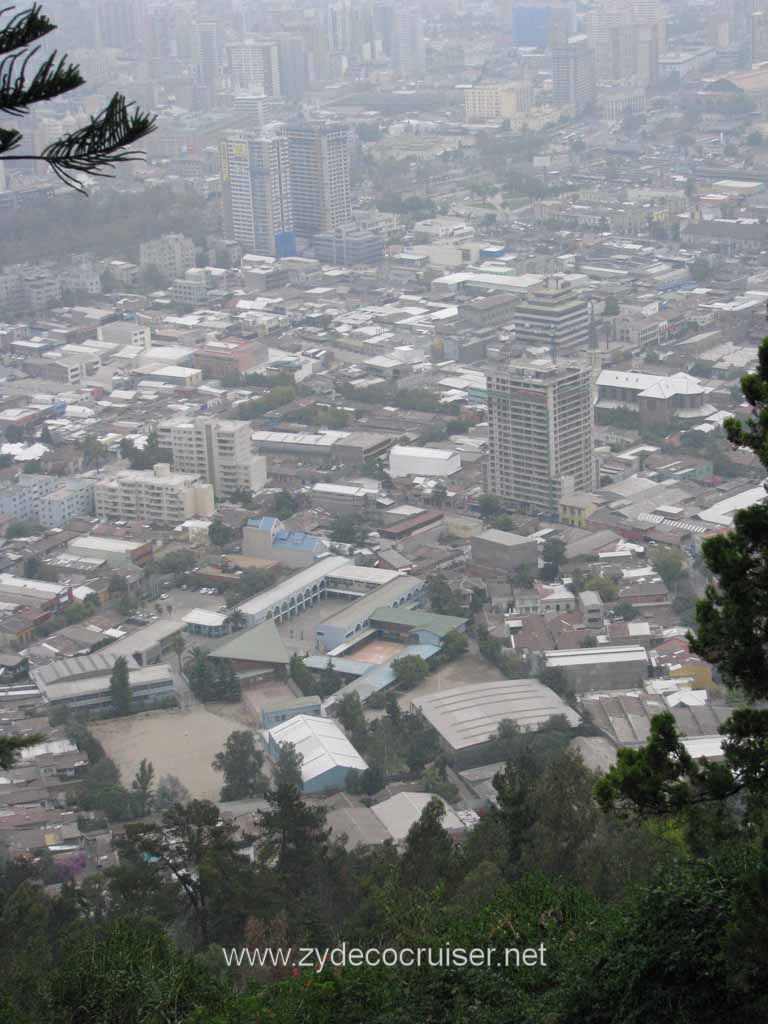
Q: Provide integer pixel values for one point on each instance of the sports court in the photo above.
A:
(378, 652)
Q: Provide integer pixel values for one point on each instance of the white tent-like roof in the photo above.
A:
(321, 743)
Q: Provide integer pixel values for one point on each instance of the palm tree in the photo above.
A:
(178, 648)
(236, 620)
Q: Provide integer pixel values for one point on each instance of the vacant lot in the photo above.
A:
(181, 743)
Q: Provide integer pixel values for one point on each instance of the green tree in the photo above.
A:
(409, 670)
(626, 611)
(219, 534)
(455, 644)
(241, 764)
(428, 849)
(191, 846)
(23, 528)
(11, 746)
(120, 688)
(95, 149)
(170, 791)
(285, 504)
(669, 564)
(349, 712)
(348, 530)
(490, 506)
(143, 787)
(329, 680)
(301, 675)
(553, 552)
(293, 835)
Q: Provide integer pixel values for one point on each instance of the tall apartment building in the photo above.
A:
(254, 66)
(173, 255)
(489, 101)
(554, 316)
(218, 451)
(540, 419)
(154, 496)
(256, 188)
(628, 38)
(318, 153)
(573, 74)
(48, 500)
(402, 31)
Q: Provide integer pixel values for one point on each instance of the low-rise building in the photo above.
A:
(593, 669)
(504, 550)
(328, 757)
(267, 538)
(154, 495)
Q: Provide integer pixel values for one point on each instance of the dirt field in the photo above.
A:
(464, 672)
(181, 743)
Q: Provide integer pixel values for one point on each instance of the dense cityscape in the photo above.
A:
(383, 465)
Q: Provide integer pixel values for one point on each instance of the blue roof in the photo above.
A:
(263, 523)
(380, 676)
(295, 540)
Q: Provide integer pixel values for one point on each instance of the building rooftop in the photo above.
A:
(299, 581)
(262, 643)
(469, 715)
(400, 812)
(321, 743)
(441, 625)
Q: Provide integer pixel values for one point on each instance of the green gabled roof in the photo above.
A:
(262, 643)
(441, 625)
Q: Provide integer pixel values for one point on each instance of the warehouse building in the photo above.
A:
(117, 553)
(467, 718)
(414, 626)
(591, 669)
(327, 755)
(504, 550)
(405, 460)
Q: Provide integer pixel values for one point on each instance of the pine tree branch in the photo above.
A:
(24, 28)
(98, 147)
(52, 79)
(9, 139)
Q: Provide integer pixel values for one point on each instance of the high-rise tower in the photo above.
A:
(318, 152)
(540, 418)
(256, 187)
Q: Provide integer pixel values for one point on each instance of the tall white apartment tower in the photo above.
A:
(256, 191)
(217, 451)
(540, 418)
(318, 152)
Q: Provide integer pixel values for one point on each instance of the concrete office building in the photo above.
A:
(256, 191)
(573, 74)
(553, 315)
(318, 153)
(48, 500)
(503, 550)
(495, 101)
(540, 420)
(253, 66)
(218, 451)
(154, 495)
(173, 255)
(401, 24)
